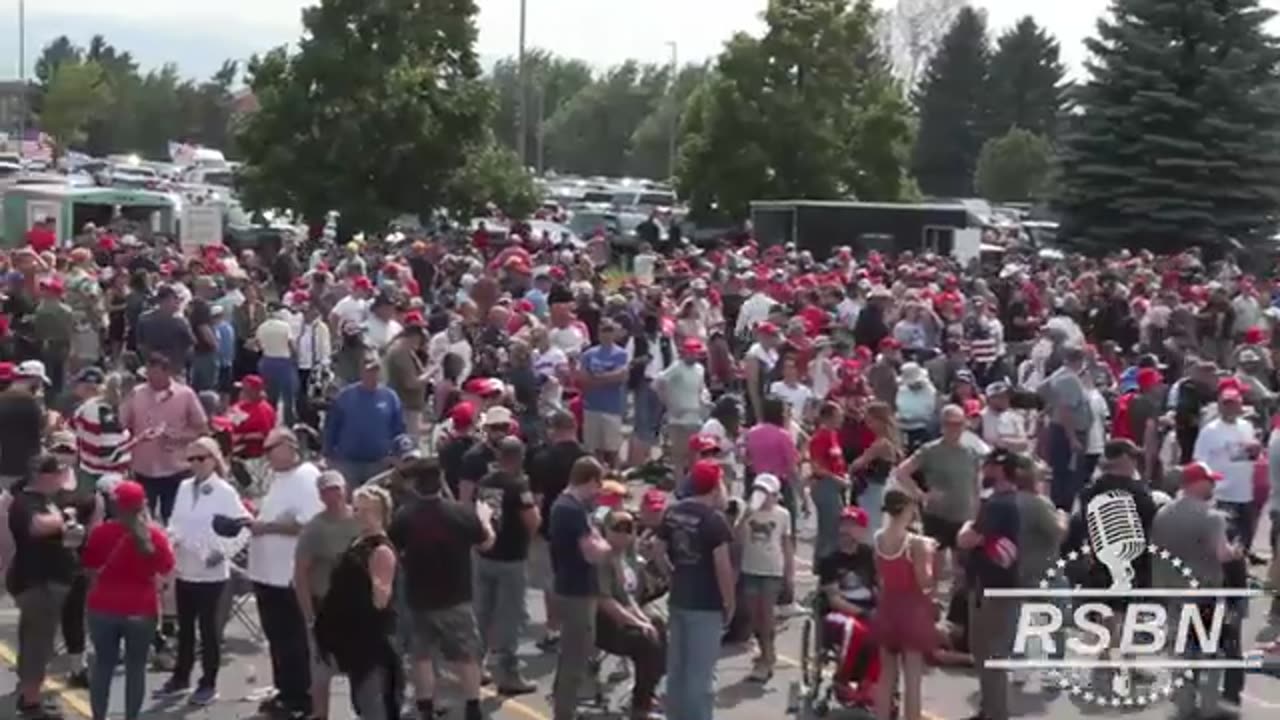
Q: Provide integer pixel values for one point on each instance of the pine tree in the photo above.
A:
(954, 122)
(1026, 88)
(1177, 142)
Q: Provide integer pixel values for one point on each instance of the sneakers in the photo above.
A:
(203, 696)
(549, 642)
(172, 688)
(514, 685)
(761, 672)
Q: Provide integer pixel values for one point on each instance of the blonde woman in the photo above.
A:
(875, 464)
(202, 568)
(356, 621)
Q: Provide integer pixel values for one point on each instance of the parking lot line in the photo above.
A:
(72, 698)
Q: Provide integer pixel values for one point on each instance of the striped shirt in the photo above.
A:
(99, 437)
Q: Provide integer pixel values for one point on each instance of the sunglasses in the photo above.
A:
(624, 528)
(198, 458)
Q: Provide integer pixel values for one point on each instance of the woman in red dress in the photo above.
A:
(905, 613)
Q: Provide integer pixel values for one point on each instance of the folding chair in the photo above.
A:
(238, 596)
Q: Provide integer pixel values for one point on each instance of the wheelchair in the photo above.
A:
(814, 695)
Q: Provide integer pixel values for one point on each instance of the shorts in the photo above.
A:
(540, 575)
(601, 432)
(451, 630)
(943, 531)
(768, 586)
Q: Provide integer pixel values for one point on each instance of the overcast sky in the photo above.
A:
(198, 35)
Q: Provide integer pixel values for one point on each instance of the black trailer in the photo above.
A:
(819, 226)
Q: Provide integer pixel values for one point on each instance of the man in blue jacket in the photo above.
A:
(362, 425)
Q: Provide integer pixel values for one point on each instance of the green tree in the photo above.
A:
(553, 81)
(953, 110)
(809, 110)
(649, 148)
(382, 103)
(1176, 142)
(492, 175)
(1026, 87)
(76, 94)
(58, 51)
(1013, 167)
(590, 133)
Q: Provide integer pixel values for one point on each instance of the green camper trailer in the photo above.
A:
(71, 207)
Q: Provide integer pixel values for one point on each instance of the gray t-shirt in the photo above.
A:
(952, 472)
(1064, 389)
(322, 541)
(1191, 530)
(1039, 537)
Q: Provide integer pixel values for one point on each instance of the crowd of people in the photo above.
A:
(389, 443)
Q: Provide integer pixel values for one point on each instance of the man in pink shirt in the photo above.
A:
(165, 416)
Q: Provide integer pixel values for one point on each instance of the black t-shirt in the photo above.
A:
(509, 496)
(692, 532)
(435, 538)
(853, 574)
(451, 455)
(20, 423)
(41, 560)
(477, 462)
(549, 474)
(570, 521)
(997, 518)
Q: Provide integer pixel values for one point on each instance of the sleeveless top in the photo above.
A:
(905, 614)
(349, 629)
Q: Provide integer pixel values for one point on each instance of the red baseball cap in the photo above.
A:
(129, 496)
(693, 346)
(889, 343)
(1199, 472)
(1230, 394)
(1254, 335)
(700, 443)
(463, 415)
(767, 328)
(855, 515)
(705, 476)
(654, 500)
(361, 283)
(8, 372)
(414, 319)
(252, 382)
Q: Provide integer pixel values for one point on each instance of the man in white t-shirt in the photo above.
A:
(1230, 446)
(354, 308)
(292, 500)
(1002, 426)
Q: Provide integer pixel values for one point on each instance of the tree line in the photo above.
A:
(1172, 137)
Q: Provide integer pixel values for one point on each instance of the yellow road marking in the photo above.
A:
(73, 698)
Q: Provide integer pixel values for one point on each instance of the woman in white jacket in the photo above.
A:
(202, 568)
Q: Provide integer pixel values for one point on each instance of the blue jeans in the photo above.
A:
(358, 473)
(693, 647)
(648, 415)
(828, 501)
(107, 632)
(281, 378)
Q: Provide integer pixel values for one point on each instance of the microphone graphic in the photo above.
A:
(1116, 535)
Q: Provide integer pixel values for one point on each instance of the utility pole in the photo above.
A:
(522, 131)
(22, 77)
(540, 95)
(675, 115)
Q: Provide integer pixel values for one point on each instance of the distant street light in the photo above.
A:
(22, 77)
